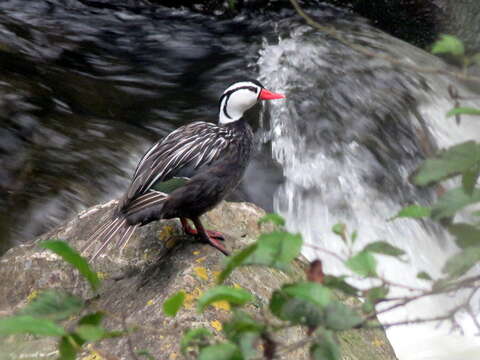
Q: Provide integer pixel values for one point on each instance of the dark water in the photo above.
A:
(85, 89)
(87, 86)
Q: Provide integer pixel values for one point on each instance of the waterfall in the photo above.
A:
(347, 137)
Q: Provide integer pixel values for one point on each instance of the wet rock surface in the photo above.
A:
(158, 261)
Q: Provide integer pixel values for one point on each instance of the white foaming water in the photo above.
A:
(323, 188)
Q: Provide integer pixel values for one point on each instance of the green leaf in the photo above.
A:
(301, 303)
(441, 284)
(340, 229)
(452, 201)
(377, 293)
(424, 276)
(277, 250)
(244, 331)
(92, 319)
(469, 179)
(412, 211)
(353, 237)
(235, 296)
(71, 256)
(91, 333)
(53, 305)
(450, 162)
(466, 235)
(309, 291)
(325, 348)
(240, 323)
(235, 261)
(194, 337)
(460, 263)
(145, 353)
(174, 303)
(272, 218)
(224, 351)
(463, 111)
(67, 349)
(373, 296)
(339, 317)
(448, 44)
(295, 310)
(338, 282)
(384, 248)
(25, 324)
(363, 264)
(247, 343)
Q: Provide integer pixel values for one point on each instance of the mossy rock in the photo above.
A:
(157, 262)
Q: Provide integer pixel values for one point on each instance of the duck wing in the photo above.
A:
(172, 161)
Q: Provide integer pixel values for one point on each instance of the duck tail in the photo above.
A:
(115, 228)
(140, 211)
(146, 208)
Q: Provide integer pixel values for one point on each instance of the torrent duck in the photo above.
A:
(189, 172)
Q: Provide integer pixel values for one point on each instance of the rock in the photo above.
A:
(415, 21)
(158, 261)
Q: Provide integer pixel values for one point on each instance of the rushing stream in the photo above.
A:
(85, 88)
(351, 133)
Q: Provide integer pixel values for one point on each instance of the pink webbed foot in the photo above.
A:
(211, 237)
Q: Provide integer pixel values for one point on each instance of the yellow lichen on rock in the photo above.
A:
(221, 305)
(201, 272)
(217, 325)
(200, 260)
(190, 298)
(33, 295)
(170, 243)
(94, 355)
(216, 274)
(166, 235)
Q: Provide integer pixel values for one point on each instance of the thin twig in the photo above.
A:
(292, 347)
(326, 251)
(448, 316)
(399, 285)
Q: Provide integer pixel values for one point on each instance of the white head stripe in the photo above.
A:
(237, 99)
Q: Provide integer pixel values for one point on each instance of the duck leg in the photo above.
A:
(206, 237)
(191, 231)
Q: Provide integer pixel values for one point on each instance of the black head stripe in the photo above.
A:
(256, 82)
(230, 92)
(248, 80)
(225, 105)
(227, 94)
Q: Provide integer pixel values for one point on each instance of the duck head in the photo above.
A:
(241, 96)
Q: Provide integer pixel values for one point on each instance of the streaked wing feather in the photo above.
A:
(145, 201)
(120, 228)
(196, 144)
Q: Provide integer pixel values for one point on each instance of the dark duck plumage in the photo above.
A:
(189, 172)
